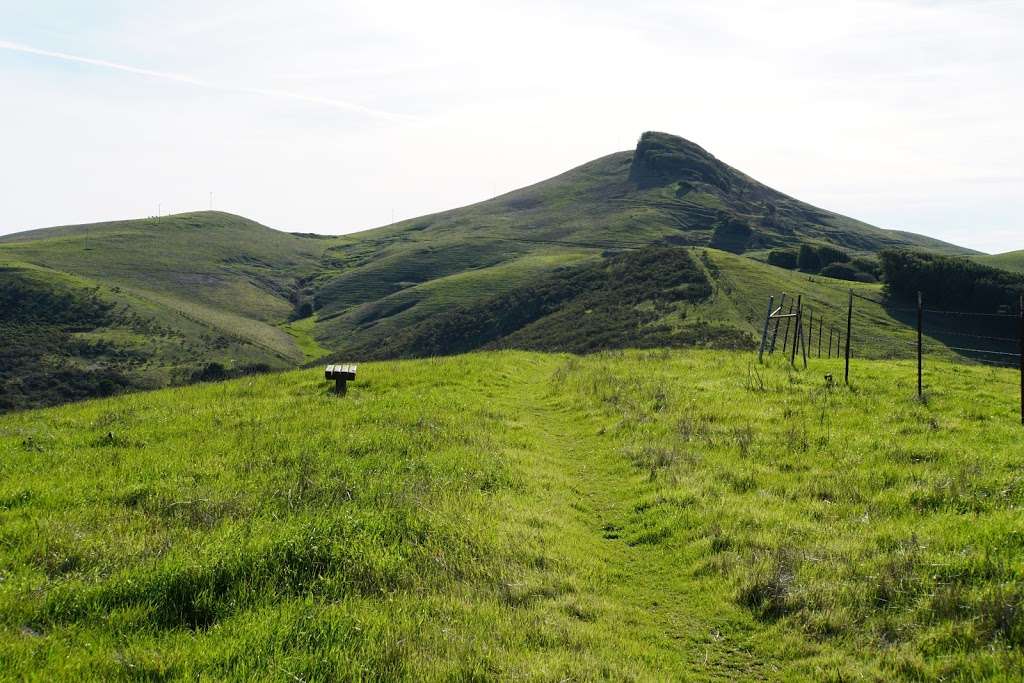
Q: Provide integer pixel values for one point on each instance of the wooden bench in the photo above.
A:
(340, 374)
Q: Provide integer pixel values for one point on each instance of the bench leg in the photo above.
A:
(339, 387)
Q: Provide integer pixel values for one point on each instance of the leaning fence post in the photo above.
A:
(849, 330)
(920, 326)
(764, 335)
(778, 321)
(785, 336)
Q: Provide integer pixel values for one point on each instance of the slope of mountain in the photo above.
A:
(667, 191)
(1011, 260)
(656, 297)
(97, 308)
(205, 294)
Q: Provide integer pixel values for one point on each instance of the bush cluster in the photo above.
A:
(826, 260)
(952, 283)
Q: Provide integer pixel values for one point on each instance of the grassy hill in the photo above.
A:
(657, 297)
(1011, 260)
(667, 191)
(627, 516)
(178, 294)
(209, 294)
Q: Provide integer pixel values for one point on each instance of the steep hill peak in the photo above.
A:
(661, 158)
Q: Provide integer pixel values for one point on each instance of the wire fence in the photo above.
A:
(968, 337)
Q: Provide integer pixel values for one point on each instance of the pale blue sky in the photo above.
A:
(329, 116)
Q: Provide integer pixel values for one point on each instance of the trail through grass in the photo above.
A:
(626, 516)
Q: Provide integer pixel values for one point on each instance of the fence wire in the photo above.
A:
(984, 338)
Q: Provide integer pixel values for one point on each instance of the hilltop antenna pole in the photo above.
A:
(849, 330)
(211, 201)
(158, 210)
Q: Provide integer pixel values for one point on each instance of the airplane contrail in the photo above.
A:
(198, 82)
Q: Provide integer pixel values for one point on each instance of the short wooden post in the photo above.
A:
(764, 334)
(849, 331)
(340, 386)
(920, 335)
(821, 324)
(775, 334)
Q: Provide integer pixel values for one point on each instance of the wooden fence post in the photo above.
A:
(849, 330)
(775, 335)
(785, 337)
(821, 324)
(797, 334)
(1021, 351)
(920, 326)
(810, 326)
(804, 342)
(764, 335)
(831, 332)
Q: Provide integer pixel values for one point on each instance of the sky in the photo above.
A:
(333, 117)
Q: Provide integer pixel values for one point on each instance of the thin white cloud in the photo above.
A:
(190, 80)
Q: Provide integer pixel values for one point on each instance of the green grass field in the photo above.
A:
(623, 516)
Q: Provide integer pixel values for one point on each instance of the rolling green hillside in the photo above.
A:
(179, 295)
(621, 516)
(1011, 260)
(215, 261)
(206, 295)
(655, 297)
(667, 191)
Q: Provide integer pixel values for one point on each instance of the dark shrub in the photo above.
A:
(303, 310)
(868, 265)
(808, 260)
(211, 372)
(731, 236)
(950, 283)
(828, 255)
(783, 258)
(840, 271)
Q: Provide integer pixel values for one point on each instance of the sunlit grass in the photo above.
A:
(654, 515)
